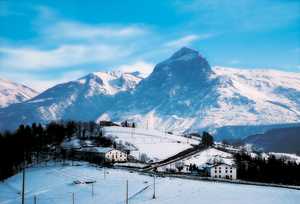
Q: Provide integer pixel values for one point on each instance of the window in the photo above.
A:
(226, 171)
(230, 176)
(219, 176)
(216, 176)
(216, 171)
(230, 171)
(220, 171)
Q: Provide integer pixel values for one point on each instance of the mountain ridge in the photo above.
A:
(183, 93)
(12, 92)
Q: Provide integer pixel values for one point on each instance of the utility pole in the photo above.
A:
(34, 199)
(154, 196)
(126, 192)
(23, 182)
(73, 198)
(103, 172)
(92, 190)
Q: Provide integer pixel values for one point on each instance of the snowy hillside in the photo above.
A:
(11, 92)
(285, 156)
(209, 156)
(156, 145)
(256, 97)
(183, 93)
(53, 184)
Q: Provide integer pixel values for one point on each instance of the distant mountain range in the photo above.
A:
(277, 140)
(11, 92)
(183, 93)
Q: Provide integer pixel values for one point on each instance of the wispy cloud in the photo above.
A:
(187, 40)
(76, 30)
(63, 56)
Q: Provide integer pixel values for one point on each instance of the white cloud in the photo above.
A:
(63, 56)
(187, 40)
(182, 41)
(76, 30)
(141, 66)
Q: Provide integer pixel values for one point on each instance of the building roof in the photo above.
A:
(97, 149)
(221, 163)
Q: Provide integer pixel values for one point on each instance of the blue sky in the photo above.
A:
(47, 42)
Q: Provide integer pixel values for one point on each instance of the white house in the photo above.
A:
(223, 170)
(108, 153)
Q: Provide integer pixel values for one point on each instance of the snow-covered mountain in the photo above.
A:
(182, 93)
(82, 99)
(11, 92)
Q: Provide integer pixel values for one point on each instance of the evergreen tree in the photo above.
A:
(207, 139)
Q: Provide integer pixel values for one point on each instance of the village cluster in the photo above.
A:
(192, 160)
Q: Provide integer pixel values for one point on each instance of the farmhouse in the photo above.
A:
(222, 170)
(107, 154)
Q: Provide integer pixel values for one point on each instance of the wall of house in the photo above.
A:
(223, 171)
(116, 155)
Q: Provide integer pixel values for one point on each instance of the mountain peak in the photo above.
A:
(185, 51)
(109, 82)
(184, 66)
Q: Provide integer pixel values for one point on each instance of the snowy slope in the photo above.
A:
(156, 145)
(286, 156)
(256, 97)
(210, 156)
(11, 92)
(53, 184)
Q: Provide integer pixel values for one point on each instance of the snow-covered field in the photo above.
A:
(53, 185)
(155, 144)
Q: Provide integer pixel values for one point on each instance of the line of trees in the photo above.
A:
(34, 143)
(271, 170)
